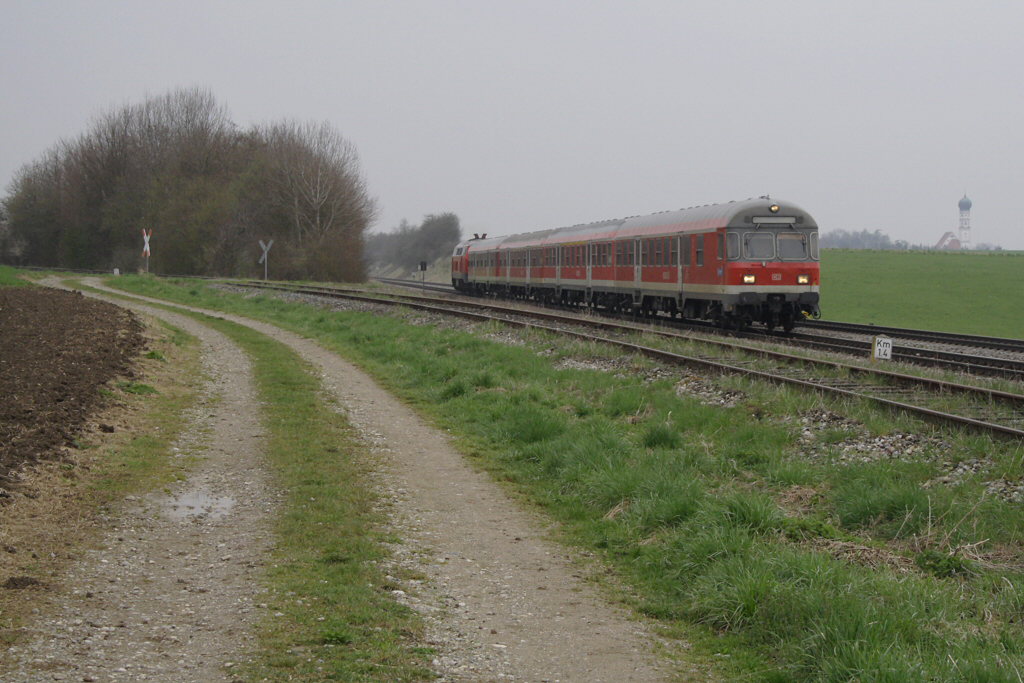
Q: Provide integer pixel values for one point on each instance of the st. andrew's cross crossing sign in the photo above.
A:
(263, 259)
(145, 246)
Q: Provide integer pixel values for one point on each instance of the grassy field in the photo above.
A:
(775, 540)
(976, 293)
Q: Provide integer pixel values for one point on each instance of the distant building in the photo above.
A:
(950, 241)
(965, 222)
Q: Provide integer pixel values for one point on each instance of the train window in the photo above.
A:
(674, 246)
(698, 249)
(814, 246)
(792, 246)
(607, 254)
(759, 246)
(732, 245)
(686, 250)
(657, 251)
(721, 246)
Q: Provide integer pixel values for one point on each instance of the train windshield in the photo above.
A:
(792, 246)
(759, 246)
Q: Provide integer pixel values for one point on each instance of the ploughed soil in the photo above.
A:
(56, 349)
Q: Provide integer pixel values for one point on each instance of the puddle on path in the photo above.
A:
(198, 504)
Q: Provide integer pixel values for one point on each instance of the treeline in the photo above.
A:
(407, 244)
(178, 166)
(841, 239)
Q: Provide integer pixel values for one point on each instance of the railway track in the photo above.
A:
(983, 409)
(953, 339)
(954, 360)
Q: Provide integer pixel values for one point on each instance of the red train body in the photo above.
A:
(735, 264)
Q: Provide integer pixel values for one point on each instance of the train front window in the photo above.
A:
(759, 246)
(732, 246)
(792, 246)
(814, 246)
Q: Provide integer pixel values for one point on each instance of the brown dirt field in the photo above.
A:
(57, 349)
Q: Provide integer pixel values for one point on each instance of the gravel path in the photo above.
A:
(501, 602)
(169, 594)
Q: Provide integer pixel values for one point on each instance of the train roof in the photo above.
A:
(739, 214)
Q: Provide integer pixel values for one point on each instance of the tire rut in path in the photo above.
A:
(170, 592)
(501, 601)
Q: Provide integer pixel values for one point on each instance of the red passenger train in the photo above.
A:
(734, 264)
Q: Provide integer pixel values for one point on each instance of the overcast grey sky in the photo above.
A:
(523, 115)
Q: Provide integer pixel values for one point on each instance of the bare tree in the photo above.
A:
(318, 181)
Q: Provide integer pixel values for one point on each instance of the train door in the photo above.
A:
(677, 246)
(637, 274)
(589, 253)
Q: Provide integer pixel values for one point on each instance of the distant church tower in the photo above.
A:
(965, 222)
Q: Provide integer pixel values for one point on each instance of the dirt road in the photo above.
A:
(174, 589)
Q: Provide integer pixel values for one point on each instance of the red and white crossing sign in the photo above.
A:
(264, 259)
(145, 237)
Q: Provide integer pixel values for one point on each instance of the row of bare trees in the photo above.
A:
(177, 165)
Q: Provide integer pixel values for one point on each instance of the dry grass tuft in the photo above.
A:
(865, 556)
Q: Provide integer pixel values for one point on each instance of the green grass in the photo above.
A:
(684, 502)
(974, 293)
(9, 277)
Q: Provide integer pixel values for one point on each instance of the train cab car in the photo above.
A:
(771, 267)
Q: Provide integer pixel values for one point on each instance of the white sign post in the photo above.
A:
(881, 349)
(263, 259)
(145, 246)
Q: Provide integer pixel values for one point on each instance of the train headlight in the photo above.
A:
(774, 208)
(803, 280)
(749, 279)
